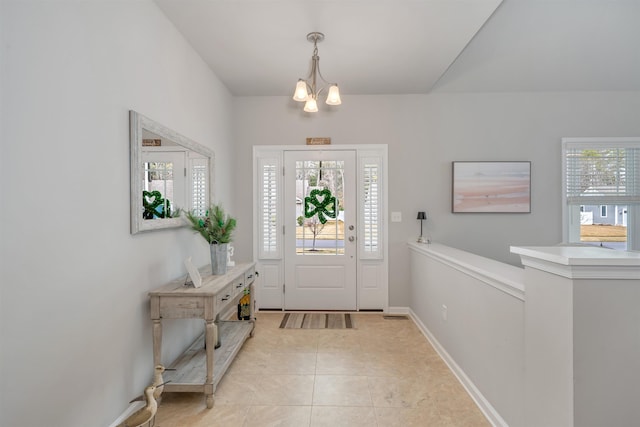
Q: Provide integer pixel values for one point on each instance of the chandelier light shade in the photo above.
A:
(311, 106)
(333, 98)
(300, 94)
(309, 89)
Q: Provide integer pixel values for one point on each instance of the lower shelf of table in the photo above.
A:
(191, 367)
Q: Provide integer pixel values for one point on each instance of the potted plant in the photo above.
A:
(216, 228)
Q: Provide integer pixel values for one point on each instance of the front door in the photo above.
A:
(320, 230)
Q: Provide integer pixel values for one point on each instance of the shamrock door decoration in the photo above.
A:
(322, 203)
(154, 205)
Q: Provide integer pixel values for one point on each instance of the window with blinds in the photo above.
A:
(370, 244)
(269, 170)
(601, 191)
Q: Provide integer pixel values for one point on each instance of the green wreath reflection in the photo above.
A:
(154, 205)
(322, 203)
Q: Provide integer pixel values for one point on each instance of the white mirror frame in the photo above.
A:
(138, 123)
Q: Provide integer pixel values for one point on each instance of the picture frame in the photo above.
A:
(491, 187)
(194, 274)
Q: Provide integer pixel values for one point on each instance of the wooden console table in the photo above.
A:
(200, 368)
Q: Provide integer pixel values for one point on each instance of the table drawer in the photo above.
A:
(238, 285)
(224, 296)
(249, 276)
(182, 307)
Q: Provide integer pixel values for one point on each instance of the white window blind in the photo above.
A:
(269, 233)
(199, 198)
(602, 173)
(370, 191)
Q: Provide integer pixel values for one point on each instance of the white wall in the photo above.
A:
(582, 353)
(74, 321)
(482, 332)
(549, 350)
(425, 134)
(606, 352)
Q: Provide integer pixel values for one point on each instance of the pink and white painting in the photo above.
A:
(491, 187)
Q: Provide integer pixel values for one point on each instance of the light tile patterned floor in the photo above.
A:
(383, 373)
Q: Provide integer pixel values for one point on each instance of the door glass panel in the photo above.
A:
(320, 207)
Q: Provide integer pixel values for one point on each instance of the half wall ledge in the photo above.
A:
(582, 352)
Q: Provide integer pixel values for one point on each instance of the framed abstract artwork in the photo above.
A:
(491, 187)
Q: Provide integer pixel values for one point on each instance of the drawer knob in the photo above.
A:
(226, 298)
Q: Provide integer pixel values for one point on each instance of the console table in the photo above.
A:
(200, 368)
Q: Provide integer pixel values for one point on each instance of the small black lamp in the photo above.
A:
(421, 216)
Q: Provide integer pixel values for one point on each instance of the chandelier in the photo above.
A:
(307, 90)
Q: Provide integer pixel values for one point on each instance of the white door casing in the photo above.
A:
(269, 209)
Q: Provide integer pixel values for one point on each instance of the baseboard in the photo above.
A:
(399, 310)
(483, 404)
(134, 406)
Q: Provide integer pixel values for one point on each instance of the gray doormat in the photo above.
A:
(317, 321)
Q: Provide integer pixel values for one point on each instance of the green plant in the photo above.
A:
(215, 226)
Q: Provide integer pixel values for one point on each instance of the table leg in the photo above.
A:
(157, 342)
(252, 308)
(211, 337)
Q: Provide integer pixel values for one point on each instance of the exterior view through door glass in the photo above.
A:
(320, 230)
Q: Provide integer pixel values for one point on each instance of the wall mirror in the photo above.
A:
(169, 174)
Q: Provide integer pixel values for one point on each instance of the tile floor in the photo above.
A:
(383, 373)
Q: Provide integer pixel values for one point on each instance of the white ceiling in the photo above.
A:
(552, 45)
(259, 47)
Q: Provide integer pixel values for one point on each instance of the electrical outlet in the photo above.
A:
(396, 216)
(444, 312)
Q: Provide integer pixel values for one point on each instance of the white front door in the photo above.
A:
(320, 230)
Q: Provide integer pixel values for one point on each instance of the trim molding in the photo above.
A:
(508, 285)
(598, 272)
(483, 404)
(399, 310)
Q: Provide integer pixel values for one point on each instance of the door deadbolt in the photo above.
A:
(351, 238)
(351, 227)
